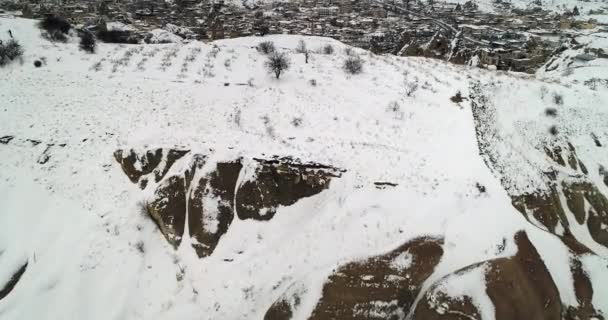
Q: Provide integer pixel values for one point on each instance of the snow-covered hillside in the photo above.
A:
(560, 6)
(426, 207)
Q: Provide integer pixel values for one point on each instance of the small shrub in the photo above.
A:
(10, 51)
(277, 63)
(551, 112)
(353, 65)
(96, 66)
(37, 64)
(266, 47)
(328, 49)
(553, 130)
(558, 99)
(410, 87)
(394, 107)
(313, 82)
(296, 122)
(140, 247)
(457, 98)
(87, 42)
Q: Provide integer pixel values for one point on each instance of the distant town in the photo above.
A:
(515, 39)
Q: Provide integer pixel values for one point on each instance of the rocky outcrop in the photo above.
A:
(168, 209)
(12, 282)
(583, 290)
(6, 139)
(519, 287)
(279, 182)
(381, 287)
(567, 178)
(211, 206)
(207, 194)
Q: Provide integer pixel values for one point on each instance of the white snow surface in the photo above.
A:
(75, 217)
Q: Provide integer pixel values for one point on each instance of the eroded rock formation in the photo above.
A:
(567, 192)
(207, 194)
(381, 287)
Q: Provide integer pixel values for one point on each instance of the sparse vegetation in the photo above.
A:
(54, 28)
(558, 99)
(353, 65)
(140, 247)
(116, 36)
(266, 47)
(277, 63)
(593, 83)
(87, 42)
(296, 122)
(410, 87)
(553, 130)
(457, 98)
(551, 112)
(10, 51)
(328, 49)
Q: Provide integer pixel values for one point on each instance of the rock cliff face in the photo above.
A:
(207, 194)
(567, 201)
(381, 287)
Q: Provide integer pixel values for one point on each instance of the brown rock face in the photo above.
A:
(578, 193)
(567, 178)
(283, 308)
(134, 165)
(442, 307)
(520, 287)
(280, 182)
(381, 287)
(584, 295)
(168, 209)
(208, 203)
(210, 208)
(545, 208)
(12, 282)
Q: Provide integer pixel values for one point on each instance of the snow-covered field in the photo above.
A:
(67, 208)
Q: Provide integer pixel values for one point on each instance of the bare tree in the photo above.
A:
(301, 48)
(277, 63)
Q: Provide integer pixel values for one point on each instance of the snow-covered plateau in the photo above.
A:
(183, 181)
